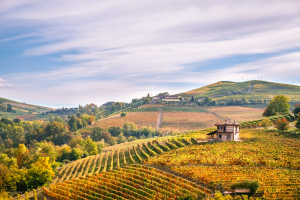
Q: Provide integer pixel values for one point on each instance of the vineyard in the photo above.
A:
(139, 118)
(276, 183)
(185, 121)
(238, 113)
(115, 158)
(266, 156)
(134, 182)
(143, 109)
(117, 175)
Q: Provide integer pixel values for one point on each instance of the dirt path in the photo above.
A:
(250, 88)
(159, 118)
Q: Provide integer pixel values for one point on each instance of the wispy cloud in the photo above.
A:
(4, 84)
(132, 45)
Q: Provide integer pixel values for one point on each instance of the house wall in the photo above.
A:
(171, 99)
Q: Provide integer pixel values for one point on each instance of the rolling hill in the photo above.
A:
(224, 90)
(22, 110)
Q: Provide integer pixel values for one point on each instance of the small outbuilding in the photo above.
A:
(226, 131)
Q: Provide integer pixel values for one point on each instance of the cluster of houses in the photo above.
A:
(171, 98)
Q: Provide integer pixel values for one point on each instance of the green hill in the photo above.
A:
(224, 90)
(20, 109)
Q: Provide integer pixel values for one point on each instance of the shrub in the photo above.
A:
(253, 185)
(186, 142)
(297, 124)
(179, 144)
(123, 114)
(172, 146)
(194, 141)
(282, 124)
(163, 147)
(266, 123)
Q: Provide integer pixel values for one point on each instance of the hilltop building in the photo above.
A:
(226, 131)
(171, 98)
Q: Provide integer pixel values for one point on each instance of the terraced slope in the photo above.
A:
(134, 182)
(115, 158)
(267, 156)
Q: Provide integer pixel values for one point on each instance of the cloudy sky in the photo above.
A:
(68, 52)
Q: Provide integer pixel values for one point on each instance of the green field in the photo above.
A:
(22, 109)
(226, 90)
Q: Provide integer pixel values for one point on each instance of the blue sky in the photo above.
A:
(64, 53)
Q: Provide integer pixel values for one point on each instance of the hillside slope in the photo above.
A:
(21, 109)
(255, 89)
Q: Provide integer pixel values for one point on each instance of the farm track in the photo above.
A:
(250, 88)
(160, 118)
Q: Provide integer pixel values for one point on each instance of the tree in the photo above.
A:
(297, 124)
(20, 153)
(129, 128)
(54, 128)
(296, 110)
(91, 120)
(115, 130)
(4, 174)
(40, 173)
(192, 99)
(90, 146)
(279, 105)
(9, 108)
(266, 123)
(121, 138)
(3, 108)
(244, 101)
(97, 133)
(269, 111)
(15, 133)
(73, 123)
(282, 124)
(76, 154)
(16, 120)
(123, 114)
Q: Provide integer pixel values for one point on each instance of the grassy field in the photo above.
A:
(21, 109)
(225, 90)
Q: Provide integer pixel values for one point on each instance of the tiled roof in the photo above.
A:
(228, 122)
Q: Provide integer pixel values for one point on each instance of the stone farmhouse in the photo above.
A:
(226, 131)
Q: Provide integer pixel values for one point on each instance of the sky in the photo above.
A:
(62, 53)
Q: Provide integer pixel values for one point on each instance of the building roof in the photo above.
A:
(297, 105)
(227, 123)
(242, 190)
(212, 133)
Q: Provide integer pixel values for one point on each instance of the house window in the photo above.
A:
(224, 129)
(220, 136)
(228, 136)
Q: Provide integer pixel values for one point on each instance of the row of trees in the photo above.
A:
(6, 108)
(207, 101)
(129, 132)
